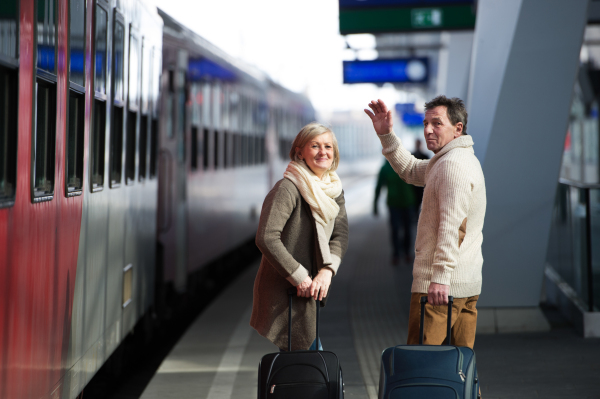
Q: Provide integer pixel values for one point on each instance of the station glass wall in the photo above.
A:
(567, 249)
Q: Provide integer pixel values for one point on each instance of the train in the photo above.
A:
(133, 153)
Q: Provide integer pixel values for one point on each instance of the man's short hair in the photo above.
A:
(455, 109)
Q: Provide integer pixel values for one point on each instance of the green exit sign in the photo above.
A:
(426, 17)
(406, 19)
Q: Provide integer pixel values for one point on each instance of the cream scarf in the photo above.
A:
(320, 195)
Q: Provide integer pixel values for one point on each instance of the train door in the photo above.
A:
(181, 175)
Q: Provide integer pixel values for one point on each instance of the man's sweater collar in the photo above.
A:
(464, 141)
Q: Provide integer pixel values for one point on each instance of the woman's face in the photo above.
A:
(318, 154)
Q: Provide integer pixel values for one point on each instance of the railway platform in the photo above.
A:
(218, 356)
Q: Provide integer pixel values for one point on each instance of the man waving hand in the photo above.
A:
(448, 259)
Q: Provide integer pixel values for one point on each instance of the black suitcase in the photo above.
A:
(429, 371)
(300, 374)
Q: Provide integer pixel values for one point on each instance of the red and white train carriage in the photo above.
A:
(132, 153)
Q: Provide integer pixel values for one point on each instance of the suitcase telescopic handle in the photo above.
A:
(449, 325)
(291, 294)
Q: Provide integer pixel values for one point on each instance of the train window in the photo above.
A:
(46, 35)
(169, 114)
(239, 150)
(235, 145)
(130, 139)
(45, 142)
(118, 59)
(130, 143)
(181, 113)
(9, 15)
(205, 148)
(143, 147)
(76, 100)
(118, 113)
(234, 111)
(216, 147)
(97, 143)
(100, 50)
(217, 102)
(134, 71)
(244, 148)
(261, 150)
(196, 103)
(242, 114)
(253, 150)
(8, 135)
(225, 108)
(156, 76)
(206, 104)
(116, 148)
(283, 149)
(77, 42)
(194, 149)
(146, 87)
(153, 147)
(226, 150)
(75, 144)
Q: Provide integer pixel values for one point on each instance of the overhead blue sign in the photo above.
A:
(409, 116)
(203, 68)
(403, 70)
(401, 3)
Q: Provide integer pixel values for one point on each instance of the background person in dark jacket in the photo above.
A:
(400, 202)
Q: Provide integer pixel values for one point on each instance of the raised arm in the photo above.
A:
(409, 168)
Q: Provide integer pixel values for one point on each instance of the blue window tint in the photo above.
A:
(118, 54)
(77, 41)
(46, 35)
(100, 39)
(9, 32)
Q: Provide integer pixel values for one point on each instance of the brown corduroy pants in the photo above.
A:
(464, 321)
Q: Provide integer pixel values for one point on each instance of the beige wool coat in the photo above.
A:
(286, 237)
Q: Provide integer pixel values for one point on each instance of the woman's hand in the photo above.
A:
(303, 289)
(320, 284)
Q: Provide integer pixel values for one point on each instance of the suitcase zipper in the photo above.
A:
(272, 390)
(460, 365)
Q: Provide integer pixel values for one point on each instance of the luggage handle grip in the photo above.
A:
(449, 325)
(292, 292)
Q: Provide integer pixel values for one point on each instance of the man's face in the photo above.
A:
(438, 130)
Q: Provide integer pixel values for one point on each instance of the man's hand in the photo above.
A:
(303, 289)
(437, 294)
(381, 117)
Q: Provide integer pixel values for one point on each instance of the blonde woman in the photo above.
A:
(303, 236)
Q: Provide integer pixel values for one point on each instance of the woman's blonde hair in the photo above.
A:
(307, 134)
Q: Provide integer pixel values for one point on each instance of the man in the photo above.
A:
(448, 258)
(400, 202)
(419, 190)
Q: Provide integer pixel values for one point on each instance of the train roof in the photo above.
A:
(205, 48)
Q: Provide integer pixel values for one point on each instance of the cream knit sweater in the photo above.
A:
(449, 237)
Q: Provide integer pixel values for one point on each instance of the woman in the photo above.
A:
(303, 235)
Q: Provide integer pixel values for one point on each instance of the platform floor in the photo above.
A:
(367, 311)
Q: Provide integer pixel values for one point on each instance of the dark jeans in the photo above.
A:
(400, 218)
